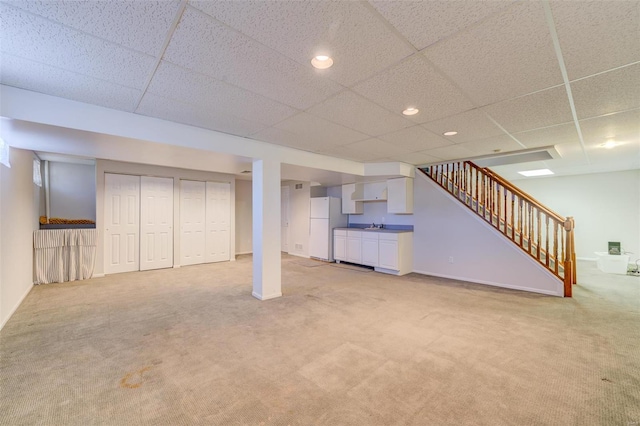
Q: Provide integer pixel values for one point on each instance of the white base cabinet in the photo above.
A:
(387, 252)
(354, 246)
(370, 248)
(340, 245)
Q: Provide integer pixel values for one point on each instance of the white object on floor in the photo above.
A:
(612, 263)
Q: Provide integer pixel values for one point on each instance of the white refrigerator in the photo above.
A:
(326, 214)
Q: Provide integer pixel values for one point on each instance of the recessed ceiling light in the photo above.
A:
(609, 144)
(322, 62)
(452, 133)
(411, 111)
(539, 172)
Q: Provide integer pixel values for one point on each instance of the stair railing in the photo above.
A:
(543, 234)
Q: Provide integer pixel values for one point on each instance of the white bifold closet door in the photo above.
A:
(122, 219)
(156, 223)
(192, 222)
(218, 227)
(205, 222)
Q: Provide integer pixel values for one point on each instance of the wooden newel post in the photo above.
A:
(569, 257)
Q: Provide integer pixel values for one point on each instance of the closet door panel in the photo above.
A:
(122, 223)
(156, 223)
(218, 218)
(192, 222)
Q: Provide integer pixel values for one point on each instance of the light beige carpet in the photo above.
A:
(191, 346)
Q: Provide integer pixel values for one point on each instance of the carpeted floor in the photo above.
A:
(191, 346)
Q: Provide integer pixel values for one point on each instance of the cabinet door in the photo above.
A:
(340, 247)
(348, 205)
(388, 250)
(400, 196)
(354, 249)
(370, 251)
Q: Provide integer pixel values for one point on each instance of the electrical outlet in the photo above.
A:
(450, 259)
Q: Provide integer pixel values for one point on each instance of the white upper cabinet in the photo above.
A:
(400, 196)
(349, 206)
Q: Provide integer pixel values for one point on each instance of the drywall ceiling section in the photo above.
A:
(504, 75)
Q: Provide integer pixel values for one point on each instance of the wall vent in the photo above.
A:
(298, 186)
(299, 247)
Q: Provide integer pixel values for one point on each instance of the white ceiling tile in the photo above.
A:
(209, 47)
(320, 130)
(375, 147)
(353, 111)
(470, 125)
(29, 75)
(205, 93)
(139, 25)
(360, 43)
(556, 135)
(350, 153)
(40, 40)
(166, 109)
(507, 55)
(614, 91)
(285, 138)
(596, 36)
(541, 109)
(492, 145)
(451, 152)
(415, 83)
(415, 158)
(426, 22)
(623, 127)
(622, 157)
(414, 139)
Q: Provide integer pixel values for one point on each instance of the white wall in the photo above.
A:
(244, 223)
(106, 166)
(445, 228)
(72, 190)
(376, 212)
(605, 206)
(18, 219)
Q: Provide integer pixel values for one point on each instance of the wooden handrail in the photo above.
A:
(519, 192)
(539, 231)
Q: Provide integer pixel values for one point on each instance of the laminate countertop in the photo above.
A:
(379, 230)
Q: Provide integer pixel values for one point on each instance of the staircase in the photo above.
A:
(543, 234)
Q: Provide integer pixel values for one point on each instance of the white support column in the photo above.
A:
(266, 230)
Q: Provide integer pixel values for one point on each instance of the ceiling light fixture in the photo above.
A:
(539, 172)
(322, 62)
(610, 144)
(411, 111)
(451, 133)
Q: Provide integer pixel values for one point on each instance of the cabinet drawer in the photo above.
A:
(357, 234)
(340, 232)
(370, 235)
(388, 237)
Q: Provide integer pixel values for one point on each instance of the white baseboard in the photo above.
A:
(509, 286)
(244, 252)
(300, 255)
(15, 308)
(176, 266)
(98, 276)
(271, 296)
